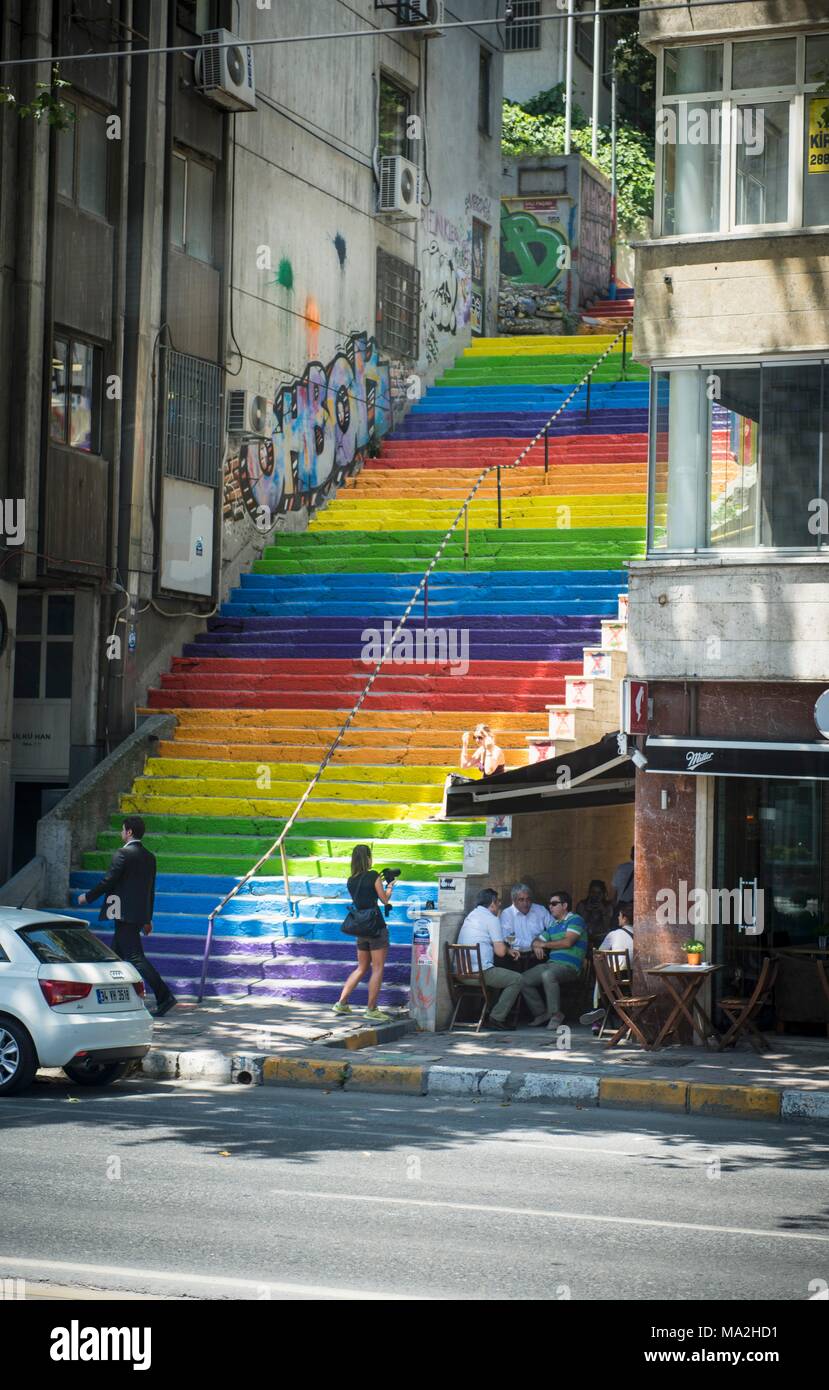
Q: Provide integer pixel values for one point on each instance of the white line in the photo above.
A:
(202, 1280)
(548, 1215)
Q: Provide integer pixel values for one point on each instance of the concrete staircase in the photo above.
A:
(533, 608)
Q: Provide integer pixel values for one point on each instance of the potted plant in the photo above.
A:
(694, 950)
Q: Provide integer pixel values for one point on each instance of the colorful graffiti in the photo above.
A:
(533, 252)
(322, 424)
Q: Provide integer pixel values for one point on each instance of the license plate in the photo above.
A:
(113, 996)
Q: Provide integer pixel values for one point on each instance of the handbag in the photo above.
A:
(363, 922)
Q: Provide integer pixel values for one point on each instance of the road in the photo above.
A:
(225, 1192)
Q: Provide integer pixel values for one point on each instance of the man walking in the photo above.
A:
(129, 890)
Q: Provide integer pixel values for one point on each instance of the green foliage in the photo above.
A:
(526, 133)
(47, 105)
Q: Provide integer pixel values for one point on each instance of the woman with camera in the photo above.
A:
(368, 890)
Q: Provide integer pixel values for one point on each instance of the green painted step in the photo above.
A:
(300, 846)
(486, 539)
(320, 829)
(610, 557)
(238, 866)
(522, 373)
(561, 361)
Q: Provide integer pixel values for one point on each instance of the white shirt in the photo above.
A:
(619, 940)
(481, 928)
(526, 926)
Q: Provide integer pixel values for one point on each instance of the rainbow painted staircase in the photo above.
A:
(260, 695)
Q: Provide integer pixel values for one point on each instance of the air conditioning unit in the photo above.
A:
(249, 414)
(399, 188)
(429, 15)
(224, 71)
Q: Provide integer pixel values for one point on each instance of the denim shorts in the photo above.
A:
(374, 943)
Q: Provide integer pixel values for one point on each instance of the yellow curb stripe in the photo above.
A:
(293, 1071)
(374, 1077)
(748, 1101)
(649, 1095)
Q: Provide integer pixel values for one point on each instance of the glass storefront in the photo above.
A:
(738, 457)
(772, 840)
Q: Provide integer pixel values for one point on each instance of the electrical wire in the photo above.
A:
(340, 34)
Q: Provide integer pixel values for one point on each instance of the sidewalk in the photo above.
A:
(257, 1041)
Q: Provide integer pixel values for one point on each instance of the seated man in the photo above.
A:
(523, 922)
(560, 949)
(481, 928)
(620, 939)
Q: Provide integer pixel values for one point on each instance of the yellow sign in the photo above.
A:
(817, 153)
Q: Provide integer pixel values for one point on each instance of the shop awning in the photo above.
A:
(595, 776)
(726, 757)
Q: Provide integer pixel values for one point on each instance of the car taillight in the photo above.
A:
(63, 991)
(139, 989)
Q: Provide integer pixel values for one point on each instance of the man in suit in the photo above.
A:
(129, 896)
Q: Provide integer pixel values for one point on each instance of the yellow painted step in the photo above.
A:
(146, 803)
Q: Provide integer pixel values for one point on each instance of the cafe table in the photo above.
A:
(683, 983)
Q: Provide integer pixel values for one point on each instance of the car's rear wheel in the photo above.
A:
(18, 1060)
(96, 1073)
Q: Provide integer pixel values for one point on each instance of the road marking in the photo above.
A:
(548, 1215)
(254, 1286)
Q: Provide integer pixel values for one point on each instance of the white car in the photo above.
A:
(66, 1000)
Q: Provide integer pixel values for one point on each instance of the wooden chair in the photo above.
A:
(626, 1005)
(465, 977)
(620, 965)
(741, 1013)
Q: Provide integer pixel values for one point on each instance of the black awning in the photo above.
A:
(725, 757)
(595, 776)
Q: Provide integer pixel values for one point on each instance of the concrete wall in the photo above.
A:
(732, 294)
(726, 19)
(729, 620)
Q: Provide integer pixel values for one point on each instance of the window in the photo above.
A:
(395, 109)
(742, 136)
(737, 457)
(75, 416)
(82, 160)
(192, 421)
(43, 646)
(584, 41)
(525, 31)
(398, 300)
(191, 206)
(485, 91)
(197, 16)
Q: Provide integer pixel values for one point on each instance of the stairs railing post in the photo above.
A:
(287, 881)
(466, 536)
(624, 352)
(499, 496)
(546, 451)
(426, 602)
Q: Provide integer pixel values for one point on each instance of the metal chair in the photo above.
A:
(742, 1012)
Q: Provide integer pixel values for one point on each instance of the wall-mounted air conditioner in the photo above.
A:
(224, 71)
(249, 414)
(399, 188)
(428, 15)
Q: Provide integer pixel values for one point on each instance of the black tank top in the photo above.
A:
(362, 889)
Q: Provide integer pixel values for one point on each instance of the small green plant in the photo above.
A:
(693, 947)
(47, 105)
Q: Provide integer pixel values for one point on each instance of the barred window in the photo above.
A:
(192, 421)
(525, 31)
(398, 300)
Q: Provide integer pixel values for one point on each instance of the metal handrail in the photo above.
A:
(423, 586)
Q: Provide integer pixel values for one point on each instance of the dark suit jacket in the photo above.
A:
(131, 880)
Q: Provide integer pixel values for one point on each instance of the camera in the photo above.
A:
(389, 875)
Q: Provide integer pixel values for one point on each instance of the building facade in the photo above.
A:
(729, 613)
(223, 278)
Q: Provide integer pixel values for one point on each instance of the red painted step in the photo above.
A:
(436, 704)
(350, 668)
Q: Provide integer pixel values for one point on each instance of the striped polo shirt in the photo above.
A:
(568, 955)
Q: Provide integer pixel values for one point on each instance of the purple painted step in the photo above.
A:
(478, 650)
(315, 969)
(326, 994)
(523, 426)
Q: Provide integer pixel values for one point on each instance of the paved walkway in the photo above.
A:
(263, 1027)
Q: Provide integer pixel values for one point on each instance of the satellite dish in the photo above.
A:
(822, 714)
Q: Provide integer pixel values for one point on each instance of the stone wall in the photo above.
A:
(529, 309)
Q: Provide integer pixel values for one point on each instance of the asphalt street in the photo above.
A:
(264, 1193)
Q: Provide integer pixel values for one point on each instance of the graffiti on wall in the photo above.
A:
(445, 278)
(320, 427)
(534, 242)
